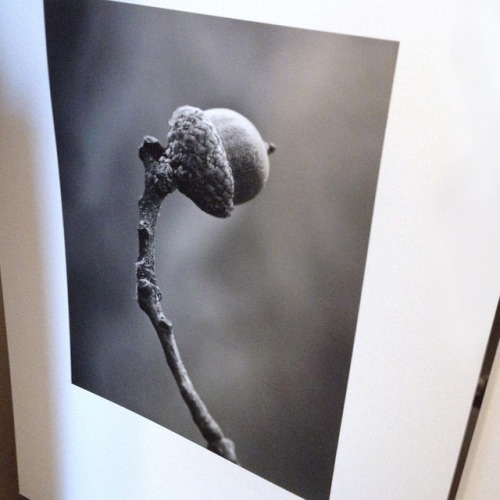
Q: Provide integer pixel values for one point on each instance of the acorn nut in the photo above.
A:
(218, 158)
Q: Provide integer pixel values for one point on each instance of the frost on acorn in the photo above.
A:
(218, 158)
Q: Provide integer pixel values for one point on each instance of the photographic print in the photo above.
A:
(255, 150)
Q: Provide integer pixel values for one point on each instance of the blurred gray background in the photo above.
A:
(264, 304)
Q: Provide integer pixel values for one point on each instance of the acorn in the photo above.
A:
(218, 158)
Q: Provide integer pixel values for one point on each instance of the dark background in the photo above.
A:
(264, 304)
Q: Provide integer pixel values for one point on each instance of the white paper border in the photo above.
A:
(429, 295)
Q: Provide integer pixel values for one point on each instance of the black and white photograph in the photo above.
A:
(218, 179)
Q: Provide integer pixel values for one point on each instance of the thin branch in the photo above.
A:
(158, 184)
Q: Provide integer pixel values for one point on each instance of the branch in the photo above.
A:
(159, 182)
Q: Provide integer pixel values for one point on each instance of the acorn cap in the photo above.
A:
(199, 161)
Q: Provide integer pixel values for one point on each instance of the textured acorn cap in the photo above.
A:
(199, 161)
(246, 152)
